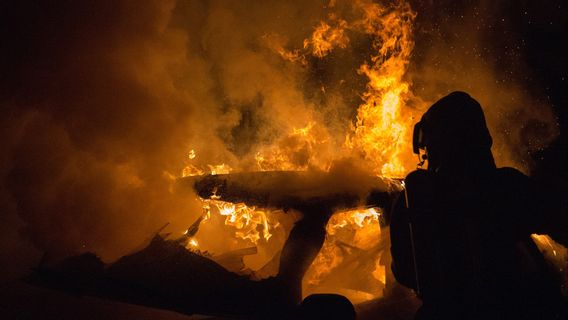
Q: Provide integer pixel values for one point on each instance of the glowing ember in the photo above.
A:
(193, 243)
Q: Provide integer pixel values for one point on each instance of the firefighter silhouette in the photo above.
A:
(460, 235)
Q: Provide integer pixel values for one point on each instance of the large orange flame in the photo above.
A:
(381, 133)
(382, 129)
(380, 136)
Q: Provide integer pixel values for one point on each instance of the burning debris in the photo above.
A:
(177, 275)
(353, 237)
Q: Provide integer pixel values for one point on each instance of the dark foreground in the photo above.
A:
(19, 300)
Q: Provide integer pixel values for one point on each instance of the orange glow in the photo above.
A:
(380, 135)
(382, 131)
(193, 243)
(353, 240)
(301, 149)
(249, 223)
(325, 38)
(191, 169)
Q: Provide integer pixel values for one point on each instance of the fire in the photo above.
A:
(325, 38)
(364, 231)
(220, 169)
(360, 217)
(380, 135)
(352, 246)
(193, 243)
(382, 129)
(249, 223)
(191, 169)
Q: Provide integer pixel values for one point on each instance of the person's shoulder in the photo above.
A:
(419, 175)
(421, 187)
(510, 171)
(512, 175)
(513, 180)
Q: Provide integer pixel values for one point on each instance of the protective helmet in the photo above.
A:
(454, 122)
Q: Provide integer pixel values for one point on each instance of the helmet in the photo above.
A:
(454, 122)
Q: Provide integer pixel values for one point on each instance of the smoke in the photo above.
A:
(103, 100)
(95, 120)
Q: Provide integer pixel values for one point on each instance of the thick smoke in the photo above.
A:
(96, 115)
(103, 100)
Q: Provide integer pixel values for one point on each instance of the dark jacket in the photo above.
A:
(463, 242)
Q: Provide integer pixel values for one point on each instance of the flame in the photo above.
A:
(359, 217)
(193, 243)
(380, 135)
(353, 237)
(382, 129)
(325, 38)
(381, 132)
(192, 169)
(220, 169)
(249, 223)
